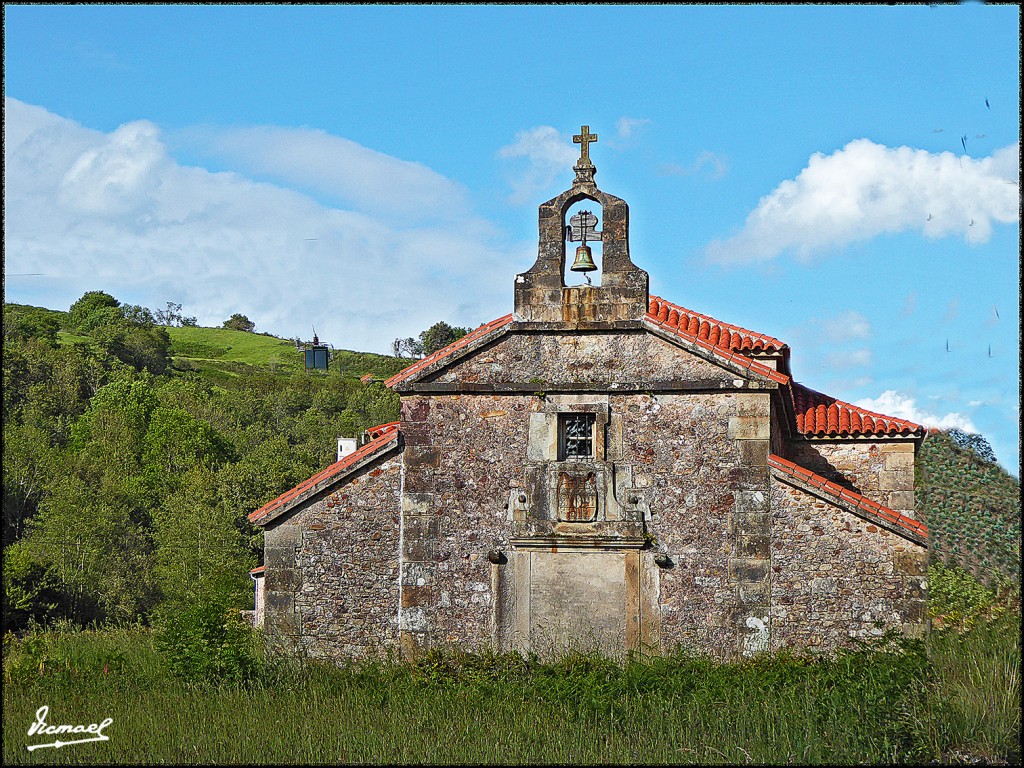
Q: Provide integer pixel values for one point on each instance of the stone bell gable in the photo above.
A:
(602, 468)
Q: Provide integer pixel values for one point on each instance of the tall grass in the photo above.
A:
(954, 694)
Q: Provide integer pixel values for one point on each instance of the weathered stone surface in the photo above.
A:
(881, 471)
(332, 575)
(835, 578)
(547, 361)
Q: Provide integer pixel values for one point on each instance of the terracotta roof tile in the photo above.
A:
(385, 433)
(374, 432)
(851, 497)
(819, 415)
(729, 337)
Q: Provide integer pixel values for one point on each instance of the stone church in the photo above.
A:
(601, 469)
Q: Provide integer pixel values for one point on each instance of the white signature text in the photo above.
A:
(95, 730)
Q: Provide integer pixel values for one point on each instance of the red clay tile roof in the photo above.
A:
(385, 434)
(741, 360)
(258, 570)
(819, 415)
(455, 346)
(851, 497)
(728, 337)
(380, 429)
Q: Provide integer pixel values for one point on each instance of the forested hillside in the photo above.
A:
(134, 452)
(971, 505)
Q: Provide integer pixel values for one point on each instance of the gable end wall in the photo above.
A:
(332, 569)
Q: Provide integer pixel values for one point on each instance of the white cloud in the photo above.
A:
(845, 327)
(626, 127)
(548, 153)
(867, 189)
(316, 161)
(116, 212)
(893, 403)
(849, 358)
(118, 176)
(712, 166)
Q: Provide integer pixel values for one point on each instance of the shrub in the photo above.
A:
(207, 642)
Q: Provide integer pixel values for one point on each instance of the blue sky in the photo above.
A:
(845, 178)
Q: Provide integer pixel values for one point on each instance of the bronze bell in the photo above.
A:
(584, 260)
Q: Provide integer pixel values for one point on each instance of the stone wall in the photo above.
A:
(463, 454)
(701, 462)
(881, 470)
(332, 570)
(548, 361)
(685, 527)
(836, 577)
(693, 466)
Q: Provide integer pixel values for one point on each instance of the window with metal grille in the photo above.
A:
(576, 436)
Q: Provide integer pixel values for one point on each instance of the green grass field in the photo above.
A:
(222, 345)
(954, 697)
(220, 351)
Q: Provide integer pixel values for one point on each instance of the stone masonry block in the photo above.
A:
(748, 569)
(289, 535)
(283, 579)
(753, 546)
(753, 593)
(416, 596)
(748, 502)
(417, 574)
(749, 428)
(753, 452)
(753, 404)
(749, 478)
(751, 524)
(417, 503)
(416, 457)
(901, 500)
(896, 480)
(543, 439)
(899, 460)
(911, 563)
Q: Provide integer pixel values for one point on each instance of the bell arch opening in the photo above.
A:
(584, 251)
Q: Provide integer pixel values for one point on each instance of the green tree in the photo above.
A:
(436, 337)
(22, 322)
(32, 593)
(972, 442)
(94, 308)
(239, 322)
(143, 345)
(176, 442)
(29, 465)
(172, 316)
(202, 550)
(440, 335)
(372, 405)
(408, 347)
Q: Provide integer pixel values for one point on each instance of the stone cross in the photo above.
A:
(584, 138)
